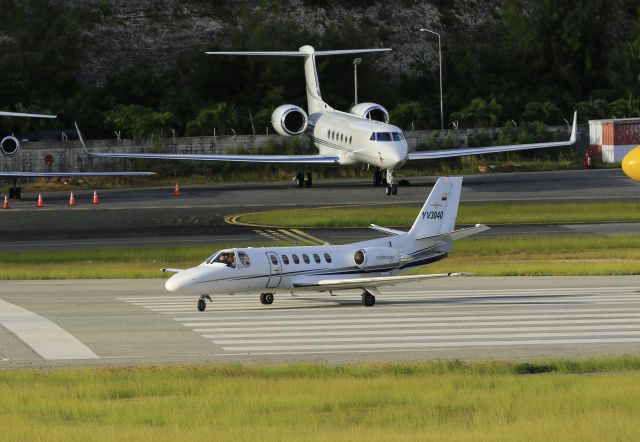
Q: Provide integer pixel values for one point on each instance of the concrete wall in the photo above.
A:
(69, 155)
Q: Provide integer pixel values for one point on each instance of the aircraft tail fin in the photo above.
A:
(438, 215)
(314, 99)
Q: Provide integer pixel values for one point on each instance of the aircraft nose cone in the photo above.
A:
(395, 156)
(173, 284)
(631, 164)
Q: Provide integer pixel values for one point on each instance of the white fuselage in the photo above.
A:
(276, 269)
(357, 140)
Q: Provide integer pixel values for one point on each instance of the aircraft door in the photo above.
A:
(276, 270)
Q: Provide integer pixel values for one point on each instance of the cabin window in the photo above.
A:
(350, 139)
(244, 259)
(306, 258)
(383, 136)
(316, 258)
(327, 258)
(285, 259)
(295, 258)
(274, 260)
(398, 136)
(341, 137)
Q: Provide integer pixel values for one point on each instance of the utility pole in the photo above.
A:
(440, 66)
(356, 62)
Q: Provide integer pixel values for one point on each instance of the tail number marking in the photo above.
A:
(433, 214)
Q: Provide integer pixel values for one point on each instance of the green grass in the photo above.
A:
(535, 255)
(579, 400)
(393, 215)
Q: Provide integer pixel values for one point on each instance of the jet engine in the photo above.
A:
(376, 258)
(289, 120)
(9, 145)
(371, 111)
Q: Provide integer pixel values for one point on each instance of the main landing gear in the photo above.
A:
(300, 181)
(368, 300)
(391, 187)
(202, 302)
(266, 298)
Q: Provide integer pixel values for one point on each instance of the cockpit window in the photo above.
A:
(373, 137)
(244, 259)
(383, 136)
(224, 257)
(398, 136)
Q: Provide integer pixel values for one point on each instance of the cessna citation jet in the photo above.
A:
(362, 136)
(10, 145)
(364, 265)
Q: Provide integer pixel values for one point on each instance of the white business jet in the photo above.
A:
(363, 265)
(10, 145)
(362, 136)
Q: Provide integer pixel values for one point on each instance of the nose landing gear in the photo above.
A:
(368, 300)
(266, 298)
(202, 303)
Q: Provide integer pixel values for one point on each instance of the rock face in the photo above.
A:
(157, 31)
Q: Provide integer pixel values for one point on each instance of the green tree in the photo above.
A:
(479, 113)
(219, 119)
(139, 121)
(412, 115)
(545, 112)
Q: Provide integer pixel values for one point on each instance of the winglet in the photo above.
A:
(574, 128)
(81, 139)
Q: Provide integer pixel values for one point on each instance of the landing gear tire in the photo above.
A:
(202, 302)
(394, 189)
(309, 182)
(266, 298)
(377, 178)
(387, 190)
(368, 300)
(299, 180)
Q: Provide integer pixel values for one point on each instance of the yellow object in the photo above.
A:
(631, 164)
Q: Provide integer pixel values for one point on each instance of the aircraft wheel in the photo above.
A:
(266, 298)
(368, 300)
(202, 305)
(377, 178)
(387, 190)
(394, 189)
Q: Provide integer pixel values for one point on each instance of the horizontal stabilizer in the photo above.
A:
(361, 283)
(457, 234)
(386, 230)
(299, 53)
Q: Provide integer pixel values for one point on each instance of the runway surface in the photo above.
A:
(147, 217)
(136, 321)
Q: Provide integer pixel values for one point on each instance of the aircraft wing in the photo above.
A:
(23, 115)
(70, 174)
(433, 154)
(277, 159)
(322, 285)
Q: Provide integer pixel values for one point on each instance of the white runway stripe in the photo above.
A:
(414, 331)
(375, 326)
(408, 345)
(43, 336)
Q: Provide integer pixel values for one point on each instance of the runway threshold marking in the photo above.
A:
(43, 336)
(474, 319)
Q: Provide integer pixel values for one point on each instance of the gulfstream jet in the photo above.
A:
(364, 265)
(10, 145)
(362, 136)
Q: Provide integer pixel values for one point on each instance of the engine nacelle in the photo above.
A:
(376, 258)
(289, 120)
(9, 145)
(371, 111)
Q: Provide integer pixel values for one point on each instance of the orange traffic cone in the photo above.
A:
(40, 202)
(176, 192)
(5, 205)
(95, 200)
(72, 200)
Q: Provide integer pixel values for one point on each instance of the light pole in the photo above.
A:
(440, 65)
(356, 62)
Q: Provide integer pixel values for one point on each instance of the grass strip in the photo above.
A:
(522, 256)
(393, 215)
(573, 400)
